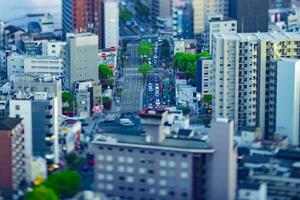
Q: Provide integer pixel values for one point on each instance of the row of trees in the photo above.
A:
(145, 49)
(58, 186)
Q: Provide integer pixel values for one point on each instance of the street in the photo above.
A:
(132, 81)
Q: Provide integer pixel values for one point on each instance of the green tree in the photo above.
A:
(65, 184)
(104, 72)
(67, 96)
(145, 69)
(145, 48)
(126, 15)
(41, 193)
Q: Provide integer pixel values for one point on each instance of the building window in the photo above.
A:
(121, 159)
(129, 179)
(109, 177)
(142, 170)
(17, 107)
(109, 187)
(100, 157)
(162, 163)
(109, 168)
(172, 164)
(109, 158)
(184, 175)
(121, 169)
(150, 181)
(162, 192)
(129, 170)
(130, 160)
(163, 173)
(100, 176)
(162, 182)
(184, 165)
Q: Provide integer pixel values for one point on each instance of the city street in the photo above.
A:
(132, 81)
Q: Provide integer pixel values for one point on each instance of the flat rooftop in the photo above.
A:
(133, 140)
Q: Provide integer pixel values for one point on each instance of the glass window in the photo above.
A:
(121, 169)
(109, 177)
(129, 160)
(152, 191)
(162, 192)
(172, 164)
(109, 158)
(109, 187)
(130, 170)
(100, 157)
(142, 170)
(129, 179)
(150, 181)
(184, 184)
(184, 165)
(162, 182)
(163, 173)
(121, 159)
(163, 163)
(100, 176)
(183, 174)
(100, 186)
(100, 166)
(109, 168)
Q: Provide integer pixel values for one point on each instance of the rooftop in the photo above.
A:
(8, 124)
(134, 139)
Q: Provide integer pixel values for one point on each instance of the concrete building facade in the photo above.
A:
(81, 60)
(288, 100)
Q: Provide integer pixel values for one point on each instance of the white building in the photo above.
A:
(70, 133)
(111, 23)
(203, 9)
(288, 100)
(39, 112)
(40, 65)
(203, 80)
(234, 78)
(185, 94)
(251, 191)
(15, 65)
(245, 76)
(220, 26)
(54, 48)
(179, 46)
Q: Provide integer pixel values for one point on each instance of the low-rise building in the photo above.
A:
(70, 135)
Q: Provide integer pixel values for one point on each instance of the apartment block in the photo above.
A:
(245, 76)
(39, 113)
(203, 79)
(111, 23)
(12, 155)
(157, 166)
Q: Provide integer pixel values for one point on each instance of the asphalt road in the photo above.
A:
(132, 81)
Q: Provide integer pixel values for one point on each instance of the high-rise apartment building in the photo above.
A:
(288, 100)
(83, 16)
(183, 21)
(204, 9)
(111, 23)
(39, 113)
(157, 166)
(81, 58)
(245, 76)
(12, 156)
(251, 15)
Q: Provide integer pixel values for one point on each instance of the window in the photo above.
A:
(163, 173)
(109, 187)
(130, 160)
(109, 158)
(130, 179)
(130, 170)
(142, 170)
(100, 176)
(162, 182)
(17, 107)
(184, 165)
(163, 163)
(109, 177)
(121, 159)
(109, 168)
(184, 175)
(100, 157)
(162, 192)
(150, 181)
(172, 164)
(121, 169)
(152, 191)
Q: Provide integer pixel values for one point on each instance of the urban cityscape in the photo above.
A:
(150, 100)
